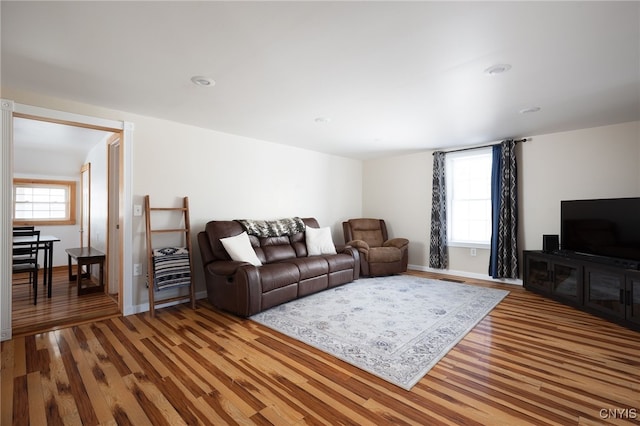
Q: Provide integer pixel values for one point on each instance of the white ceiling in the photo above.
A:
(46, 136)
(391, 77)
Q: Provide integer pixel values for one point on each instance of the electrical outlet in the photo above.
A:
(137, 269)
(473, 252)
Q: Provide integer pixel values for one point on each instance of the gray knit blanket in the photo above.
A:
(273, 228)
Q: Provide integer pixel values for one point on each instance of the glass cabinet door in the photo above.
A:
(538, 275)
(632, 298)
(566, 281)
(604, 291)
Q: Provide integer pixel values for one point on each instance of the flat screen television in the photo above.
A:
(602, 227)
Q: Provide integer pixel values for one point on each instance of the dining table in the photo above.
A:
(46, 245)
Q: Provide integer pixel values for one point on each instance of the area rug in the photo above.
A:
(396, 328)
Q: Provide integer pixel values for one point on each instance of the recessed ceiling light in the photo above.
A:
(497, 69)
(529, 110)
(203, 81)
(322, 120)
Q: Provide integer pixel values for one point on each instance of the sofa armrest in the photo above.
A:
(396, 242)
(359, 244)
(353, 252)
(348, 249)
(225, 267)
(234, 287)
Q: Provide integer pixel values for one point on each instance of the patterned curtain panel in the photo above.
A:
(438, 257)
(504, 199)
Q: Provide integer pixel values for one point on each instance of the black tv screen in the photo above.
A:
(603, 227)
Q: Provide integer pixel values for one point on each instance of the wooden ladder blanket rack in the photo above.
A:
(169, 267)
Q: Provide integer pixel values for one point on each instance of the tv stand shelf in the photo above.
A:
(607, 290)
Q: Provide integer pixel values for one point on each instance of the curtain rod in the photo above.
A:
(481, 146)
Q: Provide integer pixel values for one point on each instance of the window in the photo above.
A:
(44, 202)
(468, 177)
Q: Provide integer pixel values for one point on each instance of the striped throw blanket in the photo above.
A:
(171, 267)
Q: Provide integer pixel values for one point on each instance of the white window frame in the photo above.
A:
(463, 191)
(69, 203)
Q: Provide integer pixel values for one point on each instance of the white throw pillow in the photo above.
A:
(239, 248)
(319, 241)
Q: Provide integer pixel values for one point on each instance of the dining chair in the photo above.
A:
(22, 231)
(25, 258)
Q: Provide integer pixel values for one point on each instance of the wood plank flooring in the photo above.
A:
(63, 309)
(531, 361)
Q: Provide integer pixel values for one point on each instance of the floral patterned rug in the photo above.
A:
(396, 328)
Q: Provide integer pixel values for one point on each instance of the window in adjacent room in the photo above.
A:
(44, 202)
(468, 180)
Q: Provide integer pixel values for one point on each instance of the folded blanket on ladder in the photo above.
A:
(171, 267)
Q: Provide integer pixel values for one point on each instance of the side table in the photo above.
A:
(86, 256)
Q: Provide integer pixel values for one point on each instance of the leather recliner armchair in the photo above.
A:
(379, 255)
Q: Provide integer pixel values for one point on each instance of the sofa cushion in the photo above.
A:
(339, 262)
(368, 230)
(276, 249)
(239, 248)
(384, 255)
(276, 275)
(299, 244)
(310, 267)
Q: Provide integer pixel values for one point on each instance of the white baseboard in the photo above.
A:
(466, 274)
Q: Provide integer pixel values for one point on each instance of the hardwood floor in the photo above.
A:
(65, 308)
(530, 361)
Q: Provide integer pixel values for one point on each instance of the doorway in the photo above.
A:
(98, 175)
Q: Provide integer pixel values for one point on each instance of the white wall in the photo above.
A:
(224, 176)
(398, 190)
(97, 157)
(599, 162)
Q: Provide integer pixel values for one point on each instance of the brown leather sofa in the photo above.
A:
(379, 255)
(286, 273)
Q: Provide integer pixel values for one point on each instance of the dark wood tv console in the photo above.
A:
(608, 291)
